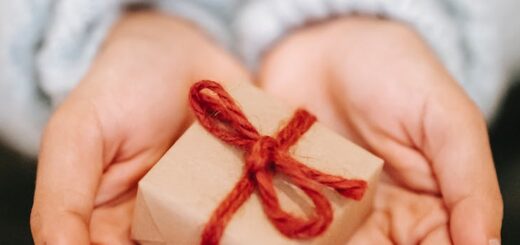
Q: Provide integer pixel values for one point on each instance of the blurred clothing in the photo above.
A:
(47, 46)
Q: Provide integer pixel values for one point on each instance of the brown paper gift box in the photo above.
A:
(177, 197)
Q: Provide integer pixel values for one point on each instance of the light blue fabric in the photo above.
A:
(47, 46)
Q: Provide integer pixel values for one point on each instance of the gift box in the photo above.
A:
(179, 195)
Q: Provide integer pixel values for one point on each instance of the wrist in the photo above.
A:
(347, 42)
(154, 42)
(161, 37)
(364, 48)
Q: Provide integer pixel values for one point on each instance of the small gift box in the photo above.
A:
(254, 171)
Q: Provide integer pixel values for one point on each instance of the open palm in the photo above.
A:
(116, 124)
(379, 84)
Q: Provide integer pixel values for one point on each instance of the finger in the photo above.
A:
(456, 142)
(123, 176)
(401, 216)
(375, 230)
(411, 215)
(111, 222)
(406, 165)
(439, 236)
(69, 167)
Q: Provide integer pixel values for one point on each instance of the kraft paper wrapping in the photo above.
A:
(177, 197)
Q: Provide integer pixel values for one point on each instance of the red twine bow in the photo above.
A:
(264, 155)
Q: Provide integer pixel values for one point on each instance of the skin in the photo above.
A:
(397, 101)
(379, 84)
(116, 124)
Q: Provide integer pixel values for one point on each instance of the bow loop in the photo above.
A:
(217, 112)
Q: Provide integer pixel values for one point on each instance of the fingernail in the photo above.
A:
(494, 242)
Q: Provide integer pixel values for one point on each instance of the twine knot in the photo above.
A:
(264, 155)
(260, 157)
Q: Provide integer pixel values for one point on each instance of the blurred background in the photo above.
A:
(17, 175)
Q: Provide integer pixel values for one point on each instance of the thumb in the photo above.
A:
(69, 168)
(457, 145)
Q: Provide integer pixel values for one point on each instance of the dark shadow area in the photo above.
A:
(17, 176)
(505, 143)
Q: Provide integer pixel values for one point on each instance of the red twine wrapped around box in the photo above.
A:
(264, 155)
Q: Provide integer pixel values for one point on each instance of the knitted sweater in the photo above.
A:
(46, 46)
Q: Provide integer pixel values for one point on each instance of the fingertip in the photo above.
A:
(63, 229)
(473, 223)
(494, 242)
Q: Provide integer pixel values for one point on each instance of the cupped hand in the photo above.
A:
(380, 85)
(116, 124)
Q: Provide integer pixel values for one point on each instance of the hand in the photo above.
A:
(116, 124)
(377, 82)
